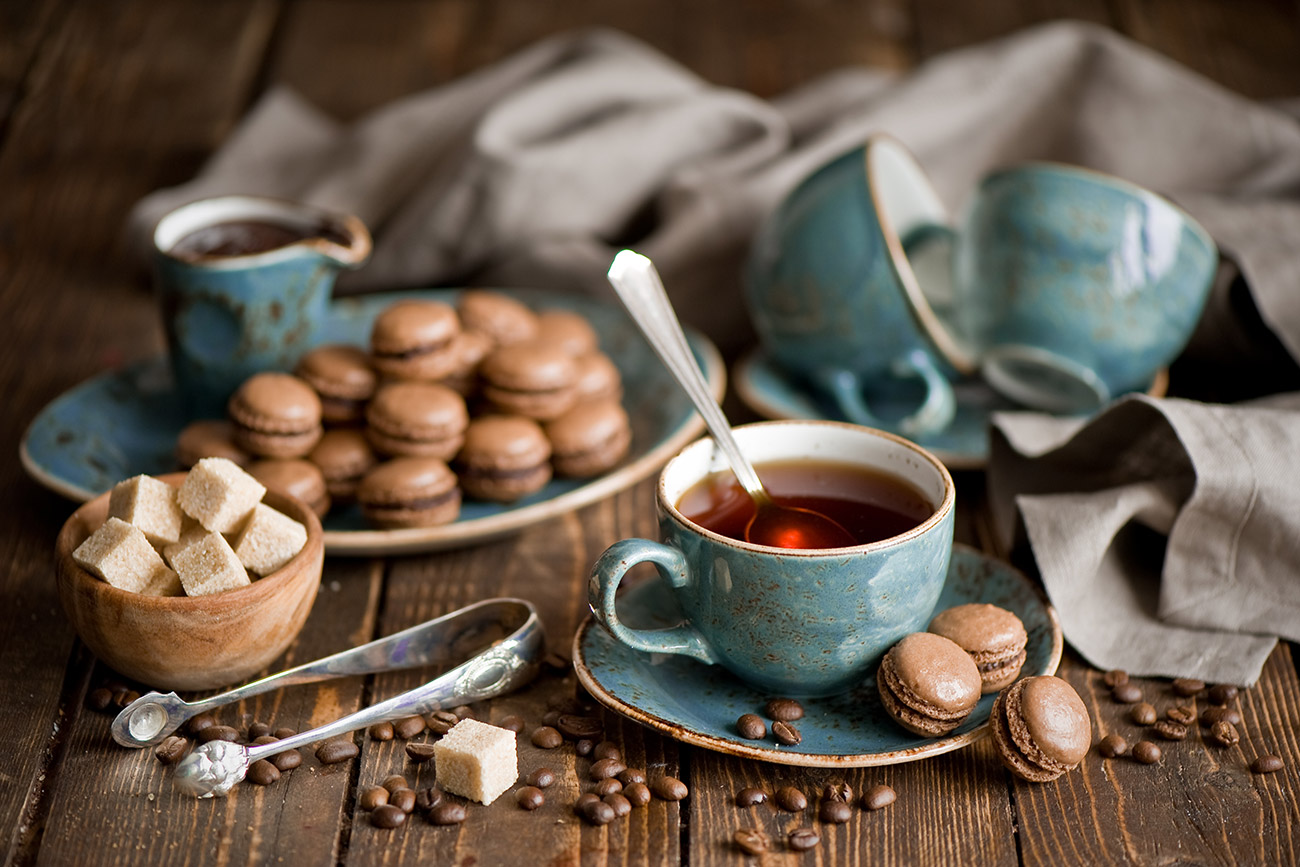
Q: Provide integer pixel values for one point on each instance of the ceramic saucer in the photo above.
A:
(699, 704)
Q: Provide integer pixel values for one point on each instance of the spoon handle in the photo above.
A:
(637, 283)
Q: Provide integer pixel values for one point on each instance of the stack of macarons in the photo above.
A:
(504, 396)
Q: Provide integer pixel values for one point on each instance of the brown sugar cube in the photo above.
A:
(269, 540)
(476, 760)
(194, 532)
(219, 495)
(149, 504)
(120, 554)
(209, 565)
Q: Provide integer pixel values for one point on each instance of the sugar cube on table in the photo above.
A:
(219, 495)
(120, 554)
(476, 760)
(269, 540)
(209, 565)
(149, 504)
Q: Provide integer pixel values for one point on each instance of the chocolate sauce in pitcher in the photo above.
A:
(247, 237)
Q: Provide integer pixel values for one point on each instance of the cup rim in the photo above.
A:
(941, 510)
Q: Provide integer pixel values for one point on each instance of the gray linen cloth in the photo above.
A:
(534, 171)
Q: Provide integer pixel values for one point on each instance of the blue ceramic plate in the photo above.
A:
(964, 445)
(699, 704)
(125, 422)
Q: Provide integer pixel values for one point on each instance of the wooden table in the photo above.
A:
(101, 102)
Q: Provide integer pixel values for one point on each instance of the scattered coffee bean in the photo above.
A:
(1221, 694)
(583, 800)
(597, 812)
(172, 749)
(382, 731)
(409, 727)
(1211, 715)
(607, 750)
(262, 773)
(750, 796)
(373, 796)
(1126, 693)
(751, 841)
(419, 751)
(834, 812)
(577, 728)
(393, 782)
(1183, 714)
(287, 760)
(124, 698)
(838, 792)
(584, 747)
(1187, 686)
(1112, 745)
(669, 789)
(638, 794)
(282, 733)
(546, 738)
(790, 799)
(1266, 764)
(542, 778)
(1143, 714)
(513, 723)
(607, 786)
(99, 699)
(878, 797)
(403, 799)
(427, 799)
(1146, 752)
(622, 806)
(333, 752)
(257, 730)
(463, 711)
(387, 816)
(802, 839)
(219, 733)
(198, 723)
(447, 812)
(1224, 734)
(631, 775)
(1115, 677)
(603, 769)
(1170, 730)
(784, 710)
(441, 721)
(530, 798)
(785, 733)
(751, 727)
(550, 718)
(262, 740)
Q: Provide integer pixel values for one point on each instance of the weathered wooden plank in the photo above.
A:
(943, 26)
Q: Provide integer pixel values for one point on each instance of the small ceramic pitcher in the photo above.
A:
(243, 282)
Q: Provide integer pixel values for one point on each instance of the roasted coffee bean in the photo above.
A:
(542, 778)
(530, 798)
(198, 723)
(603, 769)
(838, 792)
(1170, 730)
(1266, 764)
(262, 773)
(282, 733)
(1112, 745)
(1143, 713)
(419, 751)
(125, 697)
(584, 747)
(790, 799)
(751, 727)
(287, 760)
(264, 739)
(583, 800)
(785, 733)
(372, 797)
(427, 799)
(447, 812)
(171, 750)
(607, 786)
(750, 796)
(546, 738)
(631, 775)
(99, 699)
(607, 750)
(1187, 686)
(393, 782)
(1126, 693)
(834, 812)
(550, 718)
(512, 723)
(257, 730)
(1221, 694)
(463, 711)
(333, 752)
(441, 721)
(1183, 715)
(622, 806)
(802, 839)
(403, 799)
(382, 731)
(1224, 734)
(219, 733)
(878, 797)
(1115, 677)
(751, 841)
(784, 709)
(387, 816)
(409, 727)
(578, 728)
(1146, 752)
(1211, 715)
(597, 812)
(669, 789)
(637, 794)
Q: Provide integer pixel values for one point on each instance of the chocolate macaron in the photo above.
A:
(598, 378)
(994, 637)
(415, 340)
(532, 378)
(410, 492)
(928, 684)
(294, 477)
(568, 330)
(276, 415)
(344, 379)
(209, 438)
(589, 439)
(1041, 728)
(505, 457)
(497, 315)
(344, 456)
(422, 419)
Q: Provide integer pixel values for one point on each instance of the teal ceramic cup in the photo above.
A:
(1076, 286)
(834, 306)
(230, 315)
(791, 622)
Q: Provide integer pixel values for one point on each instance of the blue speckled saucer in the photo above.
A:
(699, 704)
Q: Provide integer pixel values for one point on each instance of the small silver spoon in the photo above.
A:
(637, 283)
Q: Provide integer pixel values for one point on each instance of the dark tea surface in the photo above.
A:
(870, 504)
(245, 237)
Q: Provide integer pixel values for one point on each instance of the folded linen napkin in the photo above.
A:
(534, 171)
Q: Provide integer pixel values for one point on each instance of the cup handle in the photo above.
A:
(934, 414)
(603, 583)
